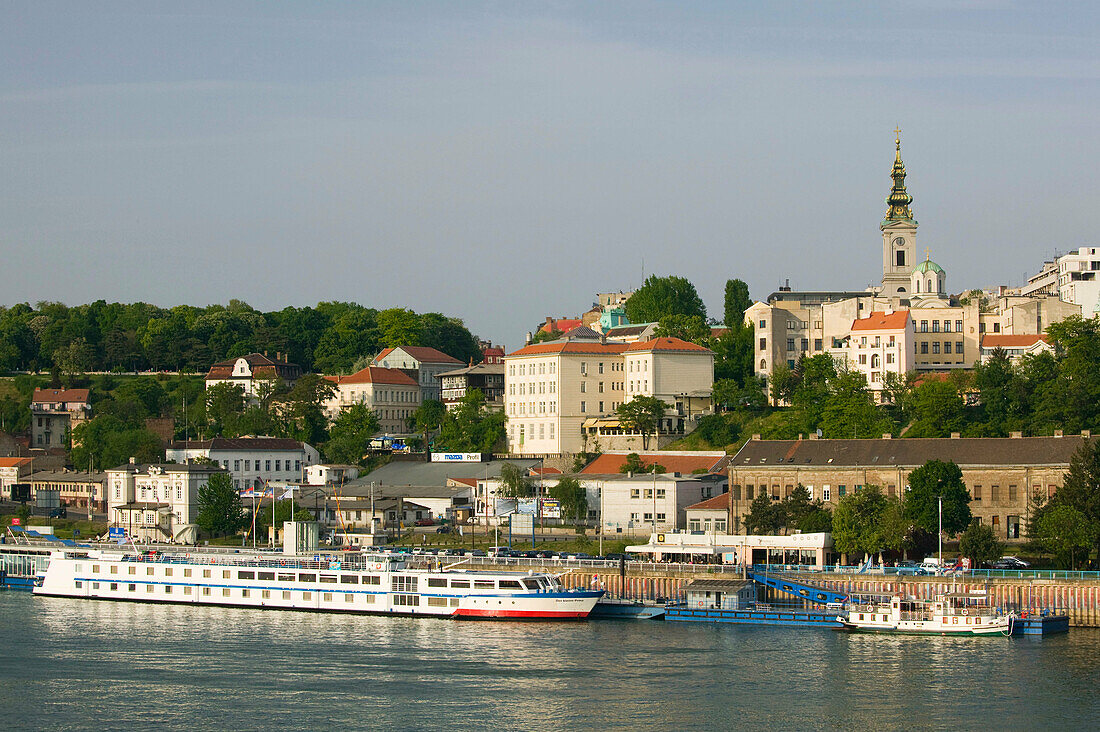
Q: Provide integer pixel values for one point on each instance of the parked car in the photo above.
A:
(910, 568)
(425, 522)
(443, 530)
(1010, 563)
(616, 556)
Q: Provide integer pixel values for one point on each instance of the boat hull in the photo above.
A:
(995, 627)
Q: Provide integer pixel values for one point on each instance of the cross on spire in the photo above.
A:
(926, 257)
(897, 136)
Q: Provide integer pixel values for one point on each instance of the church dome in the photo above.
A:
(928, 266)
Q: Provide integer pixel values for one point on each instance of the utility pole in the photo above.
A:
(939, 536)
(654, 491)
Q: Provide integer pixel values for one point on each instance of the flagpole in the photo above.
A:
(253, 519)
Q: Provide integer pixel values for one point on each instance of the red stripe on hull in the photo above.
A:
(525, 614)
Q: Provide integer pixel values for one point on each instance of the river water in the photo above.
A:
(82, 664)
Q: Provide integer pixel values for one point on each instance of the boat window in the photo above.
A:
(372, 579)
(328, 579)
(483, 584)
(242, 574)
(437, 601)
(349, 579)
(167, 571)
(510, 585)
(402, 583)
(265, 575)
(95, 569)
(531, 584)
(286, 577)
(307, 577)
(437, 582)
(465, 584)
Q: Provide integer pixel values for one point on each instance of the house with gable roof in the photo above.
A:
(422, 363)
(250, 371)
(391, 394)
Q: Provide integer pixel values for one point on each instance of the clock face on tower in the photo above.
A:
(899, 242)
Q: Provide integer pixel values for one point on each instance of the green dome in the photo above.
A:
(928, 266)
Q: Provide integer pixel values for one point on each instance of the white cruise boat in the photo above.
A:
(947, 614)
(358, 583)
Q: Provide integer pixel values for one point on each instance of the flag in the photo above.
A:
(269, 493)
(248, 493)
(289, 493)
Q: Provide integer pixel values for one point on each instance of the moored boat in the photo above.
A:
(946, 614)
(375, 584)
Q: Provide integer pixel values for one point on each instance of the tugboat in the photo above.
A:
(947, 614)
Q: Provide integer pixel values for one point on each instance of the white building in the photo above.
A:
(1077, 279)
(252, 372)
(252, 461)
(157, 503)
(392, 394)
(881, 344)
(561, 396)
(13, 470)
(424, 364)
(1015, 347)
(326, 474)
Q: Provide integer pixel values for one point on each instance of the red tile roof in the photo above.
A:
(15, 462)
(375, 375)
(424, 354)
(238, 443)
(718, 503)
(60, 395)
(607, 464)
(260, 365)
(882, 321)
(666, 344)
(561, 324)
(594, 347)
(1011, 341)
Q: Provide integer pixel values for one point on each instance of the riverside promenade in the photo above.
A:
(1034, 592)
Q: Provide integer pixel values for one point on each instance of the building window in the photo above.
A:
(947, 346)
(959, 347)
(825, 495)
(805, 344)
(936, 347)
(924, 348)
(763, 344)
(582, 407)
(924, 326)
(817, 344)
(935, 326)
(790, 344)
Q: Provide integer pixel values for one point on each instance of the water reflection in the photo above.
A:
(76, 664)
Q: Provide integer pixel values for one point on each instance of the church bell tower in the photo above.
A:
(899, 233)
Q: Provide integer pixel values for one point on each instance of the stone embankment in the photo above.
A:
(1077, 598)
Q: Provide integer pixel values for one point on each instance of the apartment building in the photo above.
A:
(252, 372)
(157, 502)
(422, 363)
(251, 461)
(392, 394)
(560, 394)
(55, 413)
(881, 344)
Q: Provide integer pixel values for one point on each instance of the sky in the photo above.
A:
(503, 161)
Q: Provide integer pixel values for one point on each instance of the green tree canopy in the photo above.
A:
(660, 297)
(979, 544)
(572, 496)
(350, 434)
(765, 517)
(857, 522)
(642, 414)
(736, 302)
(514, 482)
(927, 484)
(219, 504)
(1081, 487)
(686, 327)
(471, 427)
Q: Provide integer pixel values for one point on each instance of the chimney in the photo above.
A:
(1057, 433)
(756, 436)
(813, 436)
(1015, 435)
(133, 461)
(1086, 434)
(955, 435)
(887, 436)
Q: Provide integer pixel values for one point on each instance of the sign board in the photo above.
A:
(523, 523)
(21, 492)
(17, 522)
(527, 505)
(116, 532)
(456, 457)
(551, 508)
(47, 498)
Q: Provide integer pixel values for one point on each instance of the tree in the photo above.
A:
(1081, 487)
(634, 464)
(224, 403)
(979, 544)
(305, 407)
(937, 410)
(642, 414)
(220, 509)
(737, 301)
(471, 427)
(927, 484)
(428, 417)
(572, 496)
(765, 517)
(350, 435)
(514, 483)
(660, 297)
(850, 410)
(857, 521)
(802, 513)
(686, 327)
(1068, 533)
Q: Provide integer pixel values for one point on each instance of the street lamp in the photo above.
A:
(939, 536)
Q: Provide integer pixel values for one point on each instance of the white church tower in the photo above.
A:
(899, 234)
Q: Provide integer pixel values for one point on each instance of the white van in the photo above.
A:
(931, 565)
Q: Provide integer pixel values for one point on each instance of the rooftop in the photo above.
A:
(60, 395)
(375, 375)
(896, 320)
(238, 443)
(422, 474)
(721, 502)
(673, 461)
(908, 452)
(423, 354)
